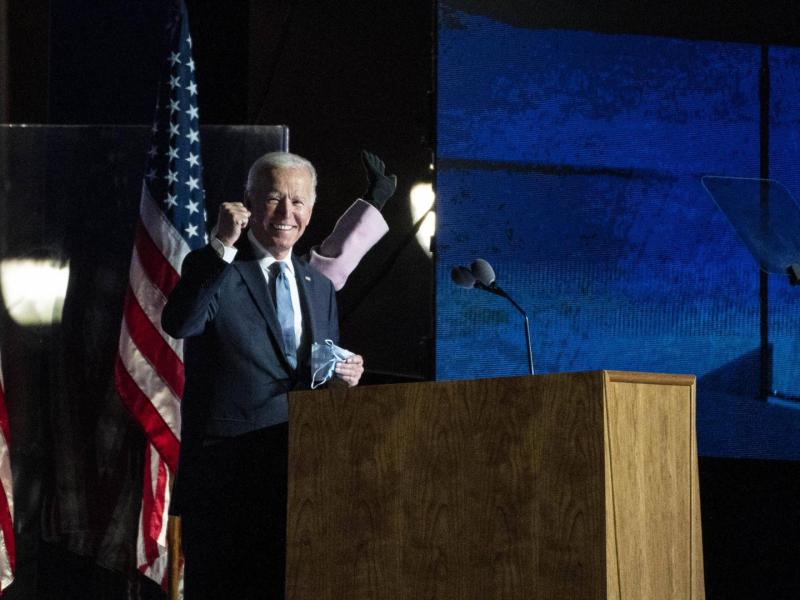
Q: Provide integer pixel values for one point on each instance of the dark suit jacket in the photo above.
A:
(237, 375)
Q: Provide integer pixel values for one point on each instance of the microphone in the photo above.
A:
(482, 271)
(463, 277)
(481, 275)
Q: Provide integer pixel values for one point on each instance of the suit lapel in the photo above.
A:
(305, 286)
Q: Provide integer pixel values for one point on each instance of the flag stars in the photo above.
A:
(193, 136)
(189, 41)
(192, 112)
(174, 81)
(171, 200)
(175, 58)
(171, 177)
(190, 64)
(174, 129)
(173, 153)
(193, 183)
(192, 207)
(193, 159)
(151, 175)
(191, 231)
(153, 151)
(174, 105)
(192, 87)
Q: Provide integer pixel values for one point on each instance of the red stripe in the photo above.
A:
(7, 525)
(158, 432)
(148, 505)
(152, 345)
(153, 510)
(158, 268)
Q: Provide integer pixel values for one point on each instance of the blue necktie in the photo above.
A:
(283, 304)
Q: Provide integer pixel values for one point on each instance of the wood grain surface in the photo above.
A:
(488, 489)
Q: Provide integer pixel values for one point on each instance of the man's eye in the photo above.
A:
(273, 200)
(298, 202)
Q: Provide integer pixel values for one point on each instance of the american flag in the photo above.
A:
(7, 549)
(149, 369)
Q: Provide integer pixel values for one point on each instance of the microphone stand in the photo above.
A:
(495, 289)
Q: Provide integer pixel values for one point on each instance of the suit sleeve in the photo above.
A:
(357, 230)
(194, 300)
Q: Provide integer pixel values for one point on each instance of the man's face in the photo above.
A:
(281, 202)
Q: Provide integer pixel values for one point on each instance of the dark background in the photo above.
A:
(345, 76)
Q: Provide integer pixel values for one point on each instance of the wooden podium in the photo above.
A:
(564, 486)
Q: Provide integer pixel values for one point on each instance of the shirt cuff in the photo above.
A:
(226, 253)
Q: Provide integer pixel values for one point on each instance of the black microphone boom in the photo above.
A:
(481, 275)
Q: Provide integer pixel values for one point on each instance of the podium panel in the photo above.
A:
(558, 486)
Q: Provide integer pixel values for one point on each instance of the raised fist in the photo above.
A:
(232, 220)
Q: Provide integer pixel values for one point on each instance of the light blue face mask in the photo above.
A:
(323, 361)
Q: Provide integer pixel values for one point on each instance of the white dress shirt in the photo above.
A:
(265, 260)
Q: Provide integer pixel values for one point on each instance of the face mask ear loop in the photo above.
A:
(325, 366)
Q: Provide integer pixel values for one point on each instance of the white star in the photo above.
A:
(191, 230)
(174, 58)
(205, 237)
(151, 174)
(193, 160)
(192, 207)
(193, 135)
(171, 200)
(192, 112)
(193, 183)
(174, 81)
(190, 64)
(153, 151)
(173, 129)
(192, 87)
(173, 153)
(189, 41)
(154, 128)
(171, 176)
(173, 106)
(205, 215)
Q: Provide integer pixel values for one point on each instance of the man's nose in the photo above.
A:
(283, 207)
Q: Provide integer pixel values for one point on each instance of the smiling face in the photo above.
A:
(281, 201)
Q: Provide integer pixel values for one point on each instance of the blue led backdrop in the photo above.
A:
(571, 161)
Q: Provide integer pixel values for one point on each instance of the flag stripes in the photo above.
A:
(8, 552)
(149, 370)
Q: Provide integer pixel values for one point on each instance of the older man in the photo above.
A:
(251, 311)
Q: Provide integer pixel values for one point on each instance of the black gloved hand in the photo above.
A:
(380, 187)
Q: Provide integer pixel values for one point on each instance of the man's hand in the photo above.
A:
(380, 187)
(350, 370)
(233, 218)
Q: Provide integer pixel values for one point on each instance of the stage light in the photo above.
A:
(422, 198)
(33, 289)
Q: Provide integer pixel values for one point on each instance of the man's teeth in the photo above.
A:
(280, 227)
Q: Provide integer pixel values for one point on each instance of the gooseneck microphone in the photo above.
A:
(481, 275)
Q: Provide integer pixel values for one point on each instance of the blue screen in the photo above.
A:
(572, 162)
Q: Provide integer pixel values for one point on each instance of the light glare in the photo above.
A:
(34, 289)
(422, 198)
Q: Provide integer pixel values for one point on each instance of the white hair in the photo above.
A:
(280, 160)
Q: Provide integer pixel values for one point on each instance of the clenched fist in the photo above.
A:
(232, 220)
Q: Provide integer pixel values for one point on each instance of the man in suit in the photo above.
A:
(249, 322)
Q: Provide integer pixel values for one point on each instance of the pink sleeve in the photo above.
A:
(356, 231)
